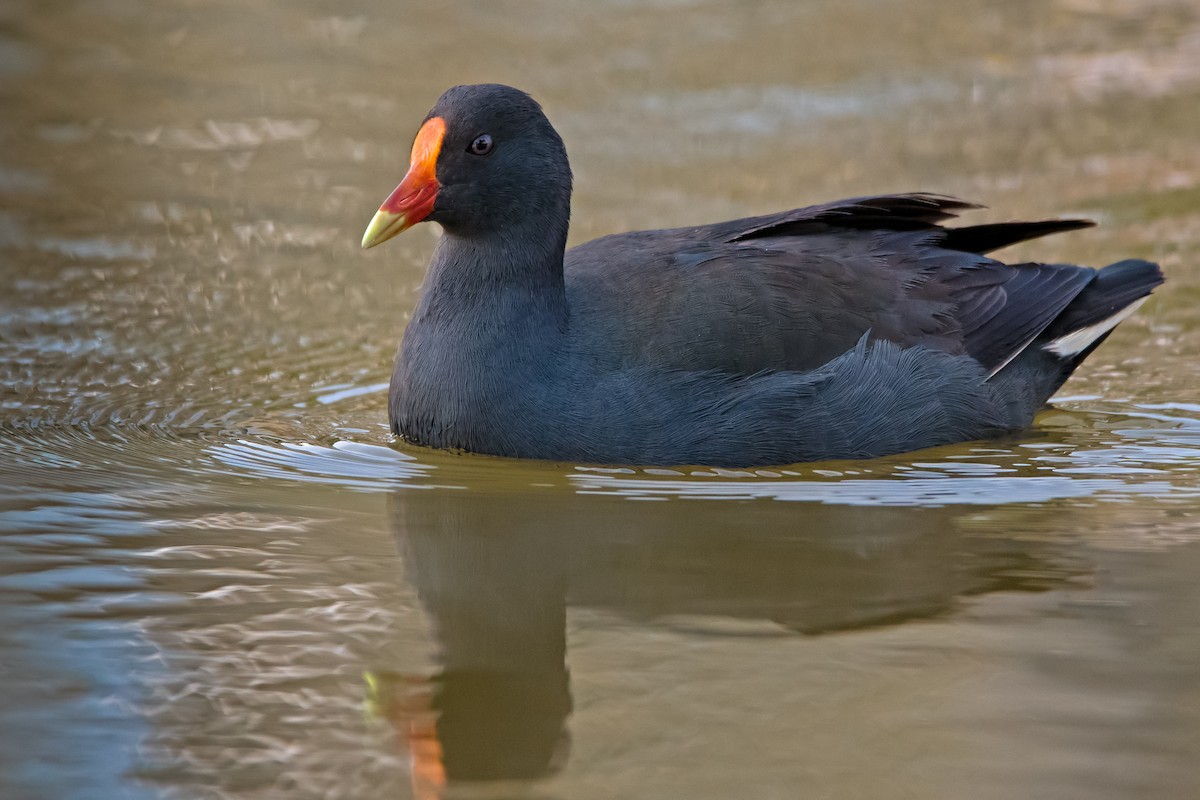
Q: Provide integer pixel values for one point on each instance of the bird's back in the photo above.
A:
(794, 290)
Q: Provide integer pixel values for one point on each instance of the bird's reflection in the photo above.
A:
(497, 571)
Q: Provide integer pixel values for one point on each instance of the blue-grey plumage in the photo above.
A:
(854, 329)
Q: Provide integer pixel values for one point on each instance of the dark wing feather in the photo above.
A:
(986, 238)
(997, 322)
(897, 212)
(790, 291)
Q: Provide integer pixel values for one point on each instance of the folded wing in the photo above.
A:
(791, 291)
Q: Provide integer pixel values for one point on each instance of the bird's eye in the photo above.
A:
(481, 146)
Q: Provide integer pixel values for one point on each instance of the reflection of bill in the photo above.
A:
(405, 703)
(496, 572)
(474, 726)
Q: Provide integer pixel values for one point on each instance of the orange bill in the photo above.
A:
(413, 199)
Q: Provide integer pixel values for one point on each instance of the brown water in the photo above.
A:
(219, 578)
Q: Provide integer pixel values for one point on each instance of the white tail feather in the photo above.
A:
(1079, 340)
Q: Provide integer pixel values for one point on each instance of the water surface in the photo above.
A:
(220, 578)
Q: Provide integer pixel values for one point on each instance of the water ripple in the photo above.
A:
(350, 464)
(887, 492)
(1074, 456)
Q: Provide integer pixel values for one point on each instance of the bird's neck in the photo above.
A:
(506, 277)
(489, 331)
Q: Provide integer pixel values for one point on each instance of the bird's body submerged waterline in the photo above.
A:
(854, 329)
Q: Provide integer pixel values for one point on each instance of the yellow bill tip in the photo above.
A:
(384, 225)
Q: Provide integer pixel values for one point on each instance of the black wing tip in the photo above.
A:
(1064, 225)
(982, 239)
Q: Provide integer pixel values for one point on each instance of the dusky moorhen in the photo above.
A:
(854, 329)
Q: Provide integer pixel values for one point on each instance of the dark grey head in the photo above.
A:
(485, 159)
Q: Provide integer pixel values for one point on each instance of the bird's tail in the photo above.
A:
(1117, 291)
(1111, 297)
